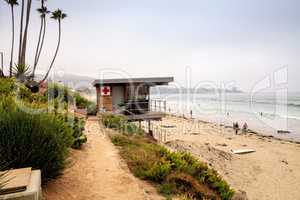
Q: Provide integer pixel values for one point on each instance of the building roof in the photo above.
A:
(151, 80)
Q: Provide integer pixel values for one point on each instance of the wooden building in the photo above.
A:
(127, 96)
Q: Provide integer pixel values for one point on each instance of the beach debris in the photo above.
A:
(283, 131)
(222, 144)
(168, 126)
(242, 151)
(285, 162)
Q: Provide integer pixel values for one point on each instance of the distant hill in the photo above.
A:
(76, 82)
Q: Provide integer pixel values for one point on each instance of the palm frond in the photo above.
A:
(21, 71)
(12, 2)
(58, 14)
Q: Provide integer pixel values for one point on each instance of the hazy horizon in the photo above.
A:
(220, 41)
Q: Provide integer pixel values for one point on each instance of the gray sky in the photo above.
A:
(221, 40)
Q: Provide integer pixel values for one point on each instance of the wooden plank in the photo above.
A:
(243, 151)
(16, 181)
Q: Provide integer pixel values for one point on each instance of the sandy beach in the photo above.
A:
(271, 172)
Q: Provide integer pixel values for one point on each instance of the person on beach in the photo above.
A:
(191, 113)
(236, 127)
(245, 127)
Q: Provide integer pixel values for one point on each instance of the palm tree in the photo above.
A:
(12, 3)
(21, 72)
(43, 12)
(21, 31)
(24, 40)
(56, 15)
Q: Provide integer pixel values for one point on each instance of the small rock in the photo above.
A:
(285, 162)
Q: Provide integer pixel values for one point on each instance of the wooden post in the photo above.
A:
(159, 105)
(149, 128)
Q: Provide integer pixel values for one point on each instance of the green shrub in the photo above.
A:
(81, 102)
(114, 121)
(7, 86)
(78, 135)
(159, 171)
(60, 92)
(91, 108)
(40, 141)
(175, 173)
(120, 123)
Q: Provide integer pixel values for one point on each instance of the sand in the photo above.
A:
(98, 173)
(272, 172)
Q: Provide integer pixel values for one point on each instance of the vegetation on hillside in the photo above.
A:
(120, 123)
(174, 173)
(37, 130)
(35, 140)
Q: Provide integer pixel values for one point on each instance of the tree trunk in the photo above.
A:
(57, 48)
(21, 33)
(37, 48)
(12, 41)
(24, 42)
(42, 42)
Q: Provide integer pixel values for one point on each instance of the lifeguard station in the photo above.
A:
(130, 97)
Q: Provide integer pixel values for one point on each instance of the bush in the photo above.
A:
(40, 141)
(120, 123)
(60, 92)
(92, 108)
(78, 135)
(80, 101)
(114, 121)
(7, 86)
(174, 172)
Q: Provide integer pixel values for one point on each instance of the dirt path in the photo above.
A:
(98, 173)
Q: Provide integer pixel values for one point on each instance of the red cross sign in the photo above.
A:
(105, 91)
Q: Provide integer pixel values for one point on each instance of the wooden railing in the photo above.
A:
(158, 105)
(136, 107)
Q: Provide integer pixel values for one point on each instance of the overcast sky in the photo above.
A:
(240, 41)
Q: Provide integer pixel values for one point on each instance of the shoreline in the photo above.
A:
(249, 131)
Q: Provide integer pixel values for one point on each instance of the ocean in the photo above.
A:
(265, 113)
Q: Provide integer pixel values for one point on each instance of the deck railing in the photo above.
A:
(158, 105)
(136, 107)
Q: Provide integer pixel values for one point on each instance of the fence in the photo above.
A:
(158, 105)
